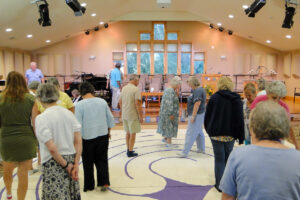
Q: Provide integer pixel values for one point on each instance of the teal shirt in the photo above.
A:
(94, 116)
(115, 76)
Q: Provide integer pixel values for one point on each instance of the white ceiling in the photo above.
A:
(22, 17)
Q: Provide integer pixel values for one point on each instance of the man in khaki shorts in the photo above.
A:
(130, 103)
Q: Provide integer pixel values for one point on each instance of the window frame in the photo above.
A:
(204, 60)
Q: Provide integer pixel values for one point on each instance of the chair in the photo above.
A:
(296, 93)
(169, 78)
(156, 86)
(185, 90)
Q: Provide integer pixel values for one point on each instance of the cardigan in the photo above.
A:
(224, 115)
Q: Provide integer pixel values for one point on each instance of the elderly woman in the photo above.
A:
(169, 112)
(33, 86)
(275, 92)
(250, 94)
(196, 111)
(59, 137)
(267, 169)
(96, 119)
(17, 140)
(261, 83)
(63, 100)
(224, 123)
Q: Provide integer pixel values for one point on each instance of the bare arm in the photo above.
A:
(227, 197)
(43, 80)
(78, 149)
(35, 112)
(57, 157)
(292, 136)
(72, 109)
(195, 110)
(119, 84)
(138, 105)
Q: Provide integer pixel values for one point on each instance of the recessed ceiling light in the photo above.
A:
(231, 16)
(101, 23)
(8, 30)
(93, 14)
(288, 36)
(268, 41)
(29, 36)
(219, 24)
(212, 46)
(48, 41)
(83, 4)
(245, 6)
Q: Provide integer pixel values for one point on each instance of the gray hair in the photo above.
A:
(34, 85)
(225, 83)
(276, 88)
(192, 80)
(269, 120)
(176, 81)
(53, 81)
(75, 92)
(47, 93)
(261, 84)
(134, 77)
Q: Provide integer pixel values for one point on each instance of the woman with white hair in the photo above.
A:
(275, 92)
(196, 112)
(58, 133)
(267, 169)
(169, 112)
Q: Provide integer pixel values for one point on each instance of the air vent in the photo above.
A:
(12, 38)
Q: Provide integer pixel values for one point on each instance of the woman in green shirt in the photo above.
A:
(17, 139)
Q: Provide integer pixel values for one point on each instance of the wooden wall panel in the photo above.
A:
(59, 64)
(43, 63)
(255, 61)
(296, 64)
(287, 64)
(2, 66)
(27, 60)
(18, 60)
(271, 61)
(8, 61)
(75, 63)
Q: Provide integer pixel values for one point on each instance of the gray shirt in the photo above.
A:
(198, 94)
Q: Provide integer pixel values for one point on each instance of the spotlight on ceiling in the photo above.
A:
(211, 26)
(87, 32)
(255, 7)
(106, 25)
(76, 7)
(290, 8)
(221, 29)
(44, 19)
(230, 32)
(96, 28)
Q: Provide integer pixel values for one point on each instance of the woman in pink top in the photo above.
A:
(276, 90)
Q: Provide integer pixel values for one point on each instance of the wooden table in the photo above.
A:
(152, 94)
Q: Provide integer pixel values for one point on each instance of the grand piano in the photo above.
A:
(98, 82)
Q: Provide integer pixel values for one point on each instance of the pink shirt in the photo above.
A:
(265, 98)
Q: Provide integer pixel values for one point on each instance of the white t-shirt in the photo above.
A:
(59, 124)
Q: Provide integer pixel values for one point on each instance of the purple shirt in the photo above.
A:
(36, 75)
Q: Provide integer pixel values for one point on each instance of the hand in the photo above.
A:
(172, 117)
(70, 168)
(109, 136)
(192, 119)
(75, 171)
(141, 119)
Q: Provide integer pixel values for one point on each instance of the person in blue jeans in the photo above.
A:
(224, 123)
(196, 112)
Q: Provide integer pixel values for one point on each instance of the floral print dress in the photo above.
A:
(169, 106)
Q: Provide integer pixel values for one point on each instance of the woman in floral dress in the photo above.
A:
(169, 112)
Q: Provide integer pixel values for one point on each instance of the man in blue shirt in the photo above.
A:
(34, 74)
(115, 85)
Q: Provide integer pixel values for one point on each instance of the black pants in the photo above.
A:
(95, 151)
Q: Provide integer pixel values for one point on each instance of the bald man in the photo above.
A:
(34, 74)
